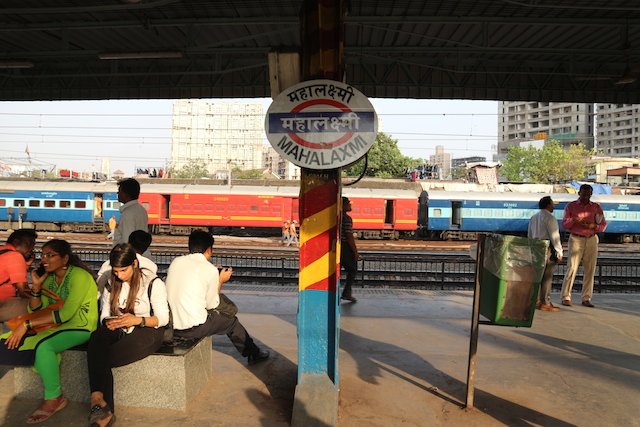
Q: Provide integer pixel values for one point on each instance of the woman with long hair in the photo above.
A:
(64, 277)
(132, 320)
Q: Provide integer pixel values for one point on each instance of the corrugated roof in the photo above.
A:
(545, 50)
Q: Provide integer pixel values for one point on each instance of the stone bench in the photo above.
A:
(169, 378)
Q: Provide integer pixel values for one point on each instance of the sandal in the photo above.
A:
(109, 424)
(98, 412)
(40, 414)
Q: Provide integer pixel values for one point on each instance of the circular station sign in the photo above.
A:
(321, 124)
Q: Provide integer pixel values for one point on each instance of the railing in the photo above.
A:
(441, 272)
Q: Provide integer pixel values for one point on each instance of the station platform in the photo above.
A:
(403, 362)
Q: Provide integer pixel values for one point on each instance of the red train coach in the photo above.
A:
(178, 209)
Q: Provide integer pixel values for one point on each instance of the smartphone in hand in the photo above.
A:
(40, 271)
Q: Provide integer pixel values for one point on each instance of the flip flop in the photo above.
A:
(109, 424)
(40, 415)
(99, 413)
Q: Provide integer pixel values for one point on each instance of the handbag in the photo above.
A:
(43, 313)
(226, 306)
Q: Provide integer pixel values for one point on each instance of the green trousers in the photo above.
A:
(47, 364)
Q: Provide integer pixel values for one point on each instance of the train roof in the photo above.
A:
(502, 196)
(23, 185)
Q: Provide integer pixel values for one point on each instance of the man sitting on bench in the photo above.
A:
(193, 288)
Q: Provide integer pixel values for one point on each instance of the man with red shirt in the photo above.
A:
(584, 219)
(15, 258)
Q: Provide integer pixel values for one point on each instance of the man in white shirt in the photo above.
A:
(193, 290)
(133, 216)
(544, 225)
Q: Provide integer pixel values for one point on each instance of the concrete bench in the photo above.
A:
(169, 378)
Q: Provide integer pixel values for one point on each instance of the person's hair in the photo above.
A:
(200, 241)
(124, 255)
(24, 236)
(544, 202)
(131, 187)
(140, 240)
(63, 248)
(345, 200)
(585, 187)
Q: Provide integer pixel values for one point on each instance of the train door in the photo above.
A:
(98, 208)
(389, 212)
(164, 209)
(295, 204)
(456, 214)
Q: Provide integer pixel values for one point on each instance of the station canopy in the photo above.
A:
(538, 50)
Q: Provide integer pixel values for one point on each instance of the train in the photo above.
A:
(378, 213)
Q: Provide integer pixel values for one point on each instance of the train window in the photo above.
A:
(209, 207)
(265, 209)
(80, 204)
(18, 203)
(145, 205)
(34, 203)
(367, 210)
(3, 202)
(242, 208)
(197, 207)
(219, 208)
(437, 212)
(487, 213)
(49, 203)
(65, 204)
(116, 205)
(253, 208)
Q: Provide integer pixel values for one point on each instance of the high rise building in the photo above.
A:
(442, 160)
(223, 135)
(618, 130)
(567, 123)
(279, 166)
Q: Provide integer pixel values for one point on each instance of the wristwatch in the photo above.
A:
(143, 323)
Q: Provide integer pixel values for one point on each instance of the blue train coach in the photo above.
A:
(57, 206)
(461, 215)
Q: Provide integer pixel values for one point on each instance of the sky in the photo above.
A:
(134, 134)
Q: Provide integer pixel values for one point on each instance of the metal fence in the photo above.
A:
(391, 270)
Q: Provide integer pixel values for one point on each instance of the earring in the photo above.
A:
(65, 267)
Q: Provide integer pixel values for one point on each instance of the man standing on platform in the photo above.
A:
(349, 256)
(133, 215)
(544, 226)
(584, 219)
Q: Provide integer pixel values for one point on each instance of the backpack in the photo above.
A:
(168, 329)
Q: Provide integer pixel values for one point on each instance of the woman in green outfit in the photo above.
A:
(68, 277)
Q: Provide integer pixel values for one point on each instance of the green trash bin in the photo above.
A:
(512, 269)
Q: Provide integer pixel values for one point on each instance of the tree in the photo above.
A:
(238, 173)
(385, 160)
(550, 164)
(192, 170)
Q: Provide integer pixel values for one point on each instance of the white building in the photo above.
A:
(442, 160)
(278, 166)
(619, 130)
(523, 121)
(223, 135)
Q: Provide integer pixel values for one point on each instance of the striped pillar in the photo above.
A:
(322, 36)
(318, 314)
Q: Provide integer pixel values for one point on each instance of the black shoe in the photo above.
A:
(257, 357)
(350, 299)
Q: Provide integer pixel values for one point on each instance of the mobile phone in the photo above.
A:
(220, 269)
(40, 271)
